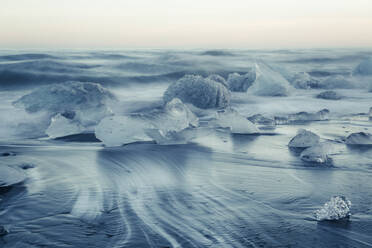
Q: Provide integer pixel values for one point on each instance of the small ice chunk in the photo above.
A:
(336, 209)
(304, 139)
(120, 130)
(269, 82)
(202, 92)
(300, 117)
(318, 153)
(303, 80)
(329, 95)
(241, 83)
(260, 119)
(177, 116)
(61, 126)
(364, 68)
(361, 138)
(237, 123)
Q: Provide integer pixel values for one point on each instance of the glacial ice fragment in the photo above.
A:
(237, 123)
(304, 139)
(85, 103)
(364, 68)
(120, 130)
(360, 138)
(336, 209)
(318, 153)
(329, 95)
(202, 92)
(61, 126)
(241, 83)
(262, 120)
(301, 117)
(269, 82)
(303, 80)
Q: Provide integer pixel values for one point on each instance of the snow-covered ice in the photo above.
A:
(304, 139)
(336, 209)
(202, 92)
(360, 138)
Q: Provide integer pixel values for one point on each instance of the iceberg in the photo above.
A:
(269, 82)
(303, 80)
(241, 83)
(329, 95)
(61, 126)
(304, 139)
(120, 130)
(360, 138)
(318, 153)
(202, 92)
(336, 209)
(364, 68)
(237, 123)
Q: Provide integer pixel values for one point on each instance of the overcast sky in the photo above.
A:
(185, 23)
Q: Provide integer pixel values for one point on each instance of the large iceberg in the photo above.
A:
(269, 82)
(304, 139)
(360, 138)
(336, 209)
(202, 92)
(78, 102)
(364, 68)
(237, 123)
(241, 83)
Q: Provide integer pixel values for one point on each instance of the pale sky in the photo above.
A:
(185, 23)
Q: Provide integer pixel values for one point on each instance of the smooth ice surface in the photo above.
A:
(318, 153)
(269, 82)
(360, 138)
(61, 126)
(364, 68)
(120, 130)
(329, 95)
(336, 209)
(237, 123)
(304, 139)
(202, 92)
(241, 83)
